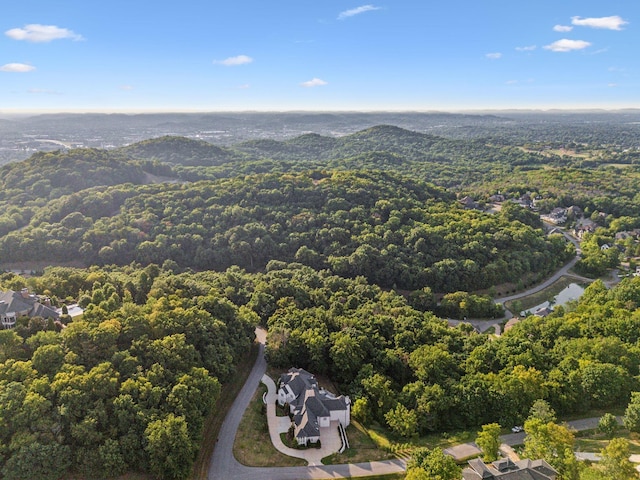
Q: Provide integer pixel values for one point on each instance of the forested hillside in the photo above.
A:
(180, 150)
(128, 386)
(340, 247)
(385, 227)
(434, 159)
(26, 186)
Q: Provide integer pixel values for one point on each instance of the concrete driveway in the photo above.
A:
(224, 466)
(329, 436)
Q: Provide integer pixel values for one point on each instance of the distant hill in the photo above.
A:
(410, 145)
(181, 151)
(445, 162)
(50, 175)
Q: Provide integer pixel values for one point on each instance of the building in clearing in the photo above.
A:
(311, 406)
(21, 304)
(506, 469)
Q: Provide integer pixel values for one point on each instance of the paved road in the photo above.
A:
(484, 324)
(224, 466)
(465, 450)
(556, 276)
(541, 286)
(223, 463)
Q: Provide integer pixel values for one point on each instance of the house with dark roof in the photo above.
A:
(506, 469)
(311, 406)
(469, 203)
(543, 311)
(21, 304)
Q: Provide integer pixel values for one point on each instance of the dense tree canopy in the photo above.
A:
(338, 246)
(387, 228)
(126, 388)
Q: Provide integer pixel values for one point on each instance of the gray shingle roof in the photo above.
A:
(11, 301)
(507, 470)
(310, 402)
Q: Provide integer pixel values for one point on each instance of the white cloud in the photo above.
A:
(37, 33)
(126, 88)
(244, 86)
(612, 85)
(528, 48)
(357, 11)
(234, 61)
(314, 82)
(493, 56)
(562, 28)
(17, 67)
(566, 45)
(609, 23)
(511, 82)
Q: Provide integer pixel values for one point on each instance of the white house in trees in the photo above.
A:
(312, 407)
(20, 304)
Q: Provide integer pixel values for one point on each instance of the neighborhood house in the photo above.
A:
(505, 469)
(20, 304)
(312, 407)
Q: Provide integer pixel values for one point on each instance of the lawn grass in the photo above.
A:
(617, 410)
(252, 446)
(446, 440)
(594, 441)
(213, 423)
(362, 448)
(542, 296)
(385, 441)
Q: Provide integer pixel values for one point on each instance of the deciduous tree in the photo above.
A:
(488, 440)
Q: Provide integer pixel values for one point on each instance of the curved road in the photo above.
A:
(553, 278)
(483, 325)
(224, 466)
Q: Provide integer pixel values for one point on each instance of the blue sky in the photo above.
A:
(408, 55)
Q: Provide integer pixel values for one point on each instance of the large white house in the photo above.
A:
(20, 304)
(312, 407)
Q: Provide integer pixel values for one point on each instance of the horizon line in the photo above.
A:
(28, 112)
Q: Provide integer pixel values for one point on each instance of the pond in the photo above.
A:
(573, 291)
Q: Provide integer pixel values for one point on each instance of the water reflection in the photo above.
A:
(573, 291)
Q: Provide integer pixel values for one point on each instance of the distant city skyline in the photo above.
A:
(249, 55)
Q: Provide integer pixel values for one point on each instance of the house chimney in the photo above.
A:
(25, 293)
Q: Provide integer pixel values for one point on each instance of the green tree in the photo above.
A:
(615, 462)
(169, 447)
(632, 413)
(608, 424)
(488, 440)
(44, 462)
(361, 410)
(48, 359)
(402, 421)
(381, 396)
(417, 473)
(432, 363)
(111, 458)
(10, 343)
(553, 443)
(542, 411)
(435, 464)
